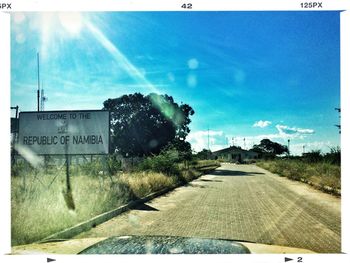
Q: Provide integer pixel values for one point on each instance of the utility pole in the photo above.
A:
(288, 147)
(208, 140)
(14, 132)
(38, 92)
(303, 149)
(14, 124)
(15, 108)
(244, 143)
(208, 153)
(338, 125)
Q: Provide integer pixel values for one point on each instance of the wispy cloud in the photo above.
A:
(261, 124)
(293, 131)
(285, 132)
(199, 140)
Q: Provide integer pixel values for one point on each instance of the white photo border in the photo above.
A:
(169, 5)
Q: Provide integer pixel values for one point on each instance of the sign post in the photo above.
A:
(68, 196)
(64, 133)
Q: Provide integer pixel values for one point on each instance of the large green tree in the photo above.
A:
(143, 125)
(267, 146)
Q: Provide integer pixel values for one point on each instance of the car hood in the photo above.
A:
(152, 245)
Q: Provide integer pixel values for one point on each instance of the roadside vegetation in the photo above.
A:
(149, 153)
(38, 201)
(319, 170)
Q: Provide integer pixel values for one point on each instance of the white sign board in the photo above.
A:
(64, 132)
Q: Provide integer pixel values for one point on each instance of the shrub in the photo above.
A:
(313, 156)
(91, 168)
(18, 168)
(165, 162)
(113, 164)
(194, 162)
(334, 156)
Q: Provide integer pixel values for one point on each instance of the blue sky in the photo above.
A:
(249, 75)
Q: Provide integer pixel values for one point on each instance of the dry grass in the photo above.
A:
(322, 175)
(38, 205)
(39, 209)
(144, 183)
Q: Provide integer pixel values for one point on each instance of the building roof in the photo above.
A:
(230, 149)
(233, 149)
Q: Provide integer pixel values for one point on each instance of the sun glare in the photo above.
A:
(56, 27)
(63, 23)
(71, 22)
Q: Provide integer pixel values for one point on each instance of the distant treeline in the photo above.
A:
(316, 156)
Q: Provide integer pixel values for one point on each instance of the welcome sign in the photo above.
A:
(64, 132)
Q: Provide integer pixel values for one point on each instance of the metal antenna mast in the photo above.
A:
(43, 98)
(38, 92)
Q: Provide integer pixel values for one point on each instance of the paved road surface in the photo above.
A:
(241, 202)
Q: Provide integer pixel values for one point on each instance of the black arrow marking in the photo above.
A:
(287, 259)
(50, 259)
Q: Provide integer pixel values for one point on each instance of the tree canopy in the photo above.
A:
(270, 147)
(143, 125)
(204, 154)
